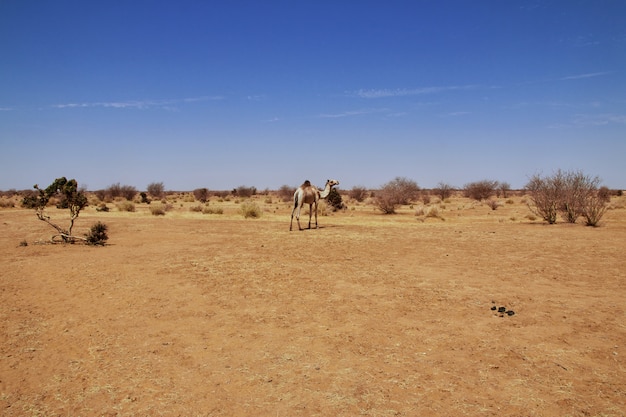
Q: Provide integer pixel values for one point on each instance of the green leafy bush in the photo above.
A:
(97, 235)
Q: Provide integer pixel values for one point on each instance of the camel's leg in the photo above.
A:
(311, 213)
(298, 218)
(316, 214)
(295, 207)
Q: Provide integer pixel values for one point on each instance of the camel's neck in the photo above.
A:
(326, 191)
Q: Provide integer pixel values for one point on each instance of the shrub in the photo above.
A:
(334, 200)
(144, 198)
(286, 192)
(156, 189)
(400, 191)
(210, 210)
(433, 212)
(480, 190)
(126, 206)
(201, 194)
(117, 190)
(97, 234)
(593, 209)
(604, 193)
(101, 194)
(545, 196)
(251, 210)
(358, 193)
(577, 188)
(443, 190)
(493, 204)
(570, 192)
(503, 189)
(158, 209)
(243, 191)
(197, 208)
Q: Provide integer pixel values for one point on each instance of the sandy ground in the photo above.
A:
(190, 314)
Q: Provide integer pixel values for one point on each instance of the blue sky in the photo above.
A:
(265, 93)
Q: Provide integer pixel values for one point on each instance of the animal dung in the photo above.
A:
(502, 310)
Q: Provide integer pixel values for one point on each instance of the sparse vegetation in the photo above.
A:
(97, 235)
(243, 191)
(160, 209)
(358, 193)
(545, 196)
(251, 209)
(594, 207)
(493, 204)
(126, 206)
(211, 210)
(201, 194)
(443, 190)
(480, 190)
(102, 207)
(68, 195)
(117, 190)
(285, 192)
(334, 200)
(572, 193)
(399, 191)
(156, 190)
(503, 189)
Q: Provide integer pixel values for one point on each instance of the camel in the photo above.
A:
(309, 194)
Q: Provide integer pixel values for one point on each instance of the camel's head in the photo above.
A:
(332, 183)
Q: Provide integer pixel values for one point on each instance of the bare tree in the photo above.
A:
(572, 193)
(156, 189)
(443, 190)
(545, 195)
(577, 189)
(480, 190)
(358, 192)
(503, 189)
(286, 192)
(594, 208)
(397, 192)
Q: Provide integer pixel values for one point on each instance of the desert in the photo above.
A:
(204, 314)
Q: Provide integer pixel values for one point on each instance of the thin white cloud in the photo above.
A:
(589, 120)
(351, 113)
(457, 113)
(136, 104)
(403, 92)
(5, 109)
(588, 75)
